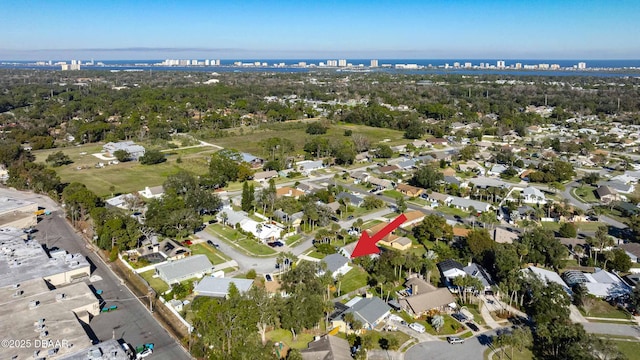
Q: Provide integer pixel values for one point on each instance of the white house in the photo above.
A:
(155, 192)
(307, 166)
(135, 151)
(532, 195)
(336, 264)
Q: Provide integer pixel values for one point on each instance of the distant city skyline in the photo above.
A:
(351, 29)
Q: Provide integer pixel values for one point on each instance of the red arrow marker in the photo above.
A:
(367, 245)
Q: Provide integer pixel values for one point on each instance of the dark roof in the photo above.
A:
(449, 264)
(327, 348)
(451, 180)
(632, 248)
(335, 262)
(604, 191)
(369, 310)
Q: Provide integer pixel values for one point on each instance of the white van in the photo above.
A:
(417, 327)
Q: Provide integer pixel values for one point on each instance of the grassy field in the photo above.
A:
(525, 354)
(281, 335)
(156, 283)
(215, 256)
(452, 211)
(393, 193)
(354, 279)
(123, 177)
(249, 141)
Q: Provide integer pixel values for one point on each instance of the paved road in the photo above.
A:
(612, 329)
(471, 349)
(131, 322)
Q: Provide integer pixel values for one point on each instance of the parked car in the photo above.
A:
(146, 352)
(30, 230)
(454, 340)
(278, 243)
(460, 317)
(213, 221)
(350, 217)
(472, 326)
(213, 244)
(187, 243)
(417, 327)
(268, 277)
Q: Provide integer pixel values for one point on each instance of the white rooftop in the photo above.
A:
(219, 287)
(22, 260)
(8, 204)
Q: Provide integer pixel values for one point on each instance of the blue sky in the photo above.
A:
(447, 29)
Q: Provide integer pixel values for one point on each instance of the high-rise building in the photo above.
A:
(342, 63)
(582, 65)
(518, 66)
(374, 63)
(468, 65)
(332, 63)
(500, 64)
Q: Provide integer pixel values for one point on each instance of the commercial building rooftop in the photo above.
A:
(46, 319)
(10, 204)
(22, 260)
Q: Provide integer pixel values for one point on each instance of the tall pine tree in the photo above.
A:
(247, 196)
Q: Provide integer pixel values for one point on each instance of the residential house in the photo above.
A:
(452, 180)
(388, 169)
(307, 166)
(380, 183)
(355, 200)
(438, 198)
(253, 161)
(120, 201)
(496, 170)
(503, 236)
(288, 192)
(359, 177)
(421, 297)
(306, 188)
(437, 141)
(449, 270)
(135, 151)
(413, 217)
(391, 240)
(460, 233)
(195, 266)
(370, 311)
(219, 287)
(294, 220)
(407, 164)
(408, 190)
(154, 192)
(466, 204)
(633, 250)
(327, 348)
(264, 176)
(483, 182)
(607, 194)
(546, 276)
(156, 252)
(619, 187)
(479, 273)
(336, 264)
(601, 283)
(532, 195)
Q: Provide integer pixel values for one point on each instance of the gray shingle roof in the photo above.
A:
(369, 310)
(184, 268)
(219, 287)
(334, 262)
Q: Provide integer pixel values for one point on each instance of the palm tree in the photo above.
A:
(437, 322)
(608, 256)
(224, 218)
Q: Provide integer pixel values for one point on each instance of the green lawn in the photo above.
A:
(380, 337)
(580, 226)
(476, 314)
(124, 177)
(451, 325)
(156, 283)
(602, 309)
(316, 254)
(525, 354)
(354, 279)
(215, 256)
(451, 211)
(371, 223)
(393, 193)
(585, 194)
(251, 247)
(281, 335)
(418, 201)
(291, 240)
(630, 349)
